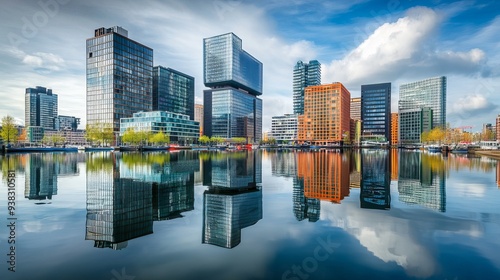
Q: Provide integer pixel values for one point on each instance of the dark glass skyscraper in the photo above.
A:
(40, 107)
(304, 75)
(119, 77)
(231, 106)
(173, 91)
(376, 110)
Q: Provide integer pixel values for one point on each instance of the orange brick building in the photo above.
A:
(394, 129)
(326, 119)
(326, 175)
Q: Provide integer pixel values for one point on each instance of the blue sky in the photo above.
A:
(358, 42)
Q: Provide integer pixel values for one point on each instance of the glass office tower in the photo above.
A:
(231, 107)
(304, 75)
(376, 110)
(40, 107)
(119, 77)
(173, 91)
(430, 93)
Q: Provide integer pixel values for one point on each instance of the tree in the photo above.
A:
(216, 140)
(204, 139)
(159, 138)
(102, 133)
(23, 137)
(424, 138)
(131, 137)
(9, 130)
(239, 140)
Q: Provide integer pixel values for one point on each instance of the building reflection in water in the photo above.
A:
(127, 192)
(375, 179)
(303, 207)
(422, 180)
(42, 171)
(283, 164)
(233, 200)
(325, 175)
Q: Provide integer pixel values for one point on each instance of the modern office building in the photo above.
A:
(67, 123)
(35, 134)
(412, 123)
(231, 107)
(304, 75)
(179, 127)
(173, 91)
(284, 128)
(394, 129)
(40, 107)
(119, 77)
(326, 118)
(325, 175)
(356, 108)
(428, 93)
(198, 116)
(376, 110)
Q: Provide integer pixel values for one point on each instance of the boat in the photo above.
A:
(460, 150)
(98, 149)
(154, 148)
(434, 149)
(128, 148)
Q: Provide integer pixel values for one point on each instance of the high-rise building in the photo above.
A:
(376, 110)
(304, 75)
(498, 127)
(394, 129)
(356, 108)
(67, 123)
(198, 116)
(119, 77)
(40, 108)
(326, 118)
(173, 91)
(284, 128)
(430, 93)
(231, 107)
(412, 123)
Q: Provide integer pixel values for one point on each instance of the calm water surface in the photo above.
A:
(373, 214)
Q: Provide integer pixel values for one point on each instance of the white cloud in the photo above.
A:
(403, 48)
(39, 60)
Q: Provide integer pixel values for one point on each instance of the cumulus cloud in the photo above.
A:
(472, 105)
(40, 61)
(400, 48)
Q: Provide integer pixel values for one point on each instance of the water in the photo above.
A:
(251, 215)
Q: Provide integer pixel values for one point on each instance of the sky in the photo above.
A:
(357, 42)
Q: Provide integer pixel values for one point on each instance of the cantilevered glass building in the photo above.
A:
(304, 75)
(173, 91)
(231, 107)
(119, 77)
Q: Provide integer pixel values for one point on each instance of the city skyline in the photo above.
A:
(44, 45)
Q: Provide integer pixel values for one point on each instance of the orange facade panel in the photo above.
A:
(326, 116)
(394, 129)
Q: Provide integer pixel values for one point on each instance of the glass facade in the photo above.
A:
(225, 63)
(67, 123)
(119, 77)
(284, 128)
(173, 91)
(375, 179)
(232, 113)
(179, 127)
(304, 75)
(412, 123)
(40, 107)
(376, 110)
(429, 93)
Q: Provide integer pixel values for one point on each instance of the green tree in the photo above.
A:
(204, 139)
(159, 138)
(216, 140)
(131, 137)
(424, 137)
(239, 140)
(101, 133)
(9, 130)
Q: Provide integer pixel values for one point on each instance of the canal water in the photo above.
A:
(370, 214)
